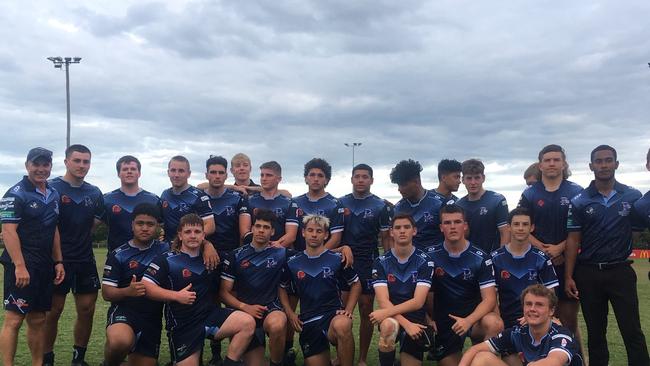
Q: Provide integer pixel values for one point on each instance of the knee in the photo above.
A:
(35, 320)
(484, 359)
(12, 320)
(492, 324)
(342, 326)
(246, 323)
(388, 330)
(86, 310)
(118, 342)
(276, 324)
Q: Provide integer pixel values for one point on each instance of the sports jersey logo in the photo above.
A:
(152, 271)
(133, 264)
(65, 199)
(19, 303)
(367, 214)
(590, 210)
(564, 201)
(245, 264)
(278, 212)
(346, 212)
(230, 211)
(532, 274)
(540, 203)
(88, 202)
(467, 274)
(414, 276)
(483, 211)
(107, 270)
(116, 209)
(625, 209)
(505, 274)
(186, 273)
(165, 204)
(320, 212)
(391, 278)
(563, 342)
(374, 274)
(299, 212)
(33, 205)
(300, 275)
(428, 217)
(270, 263)
(439, 272)
(327, 272)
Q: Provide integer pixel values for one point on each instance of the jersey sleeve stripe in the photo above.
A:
(227, 278)
(109, 283)
(147, 278)
(354, 279)
(487, 285)
(336, 229)
(493, 348)
(291, 223)
(552, 284)
(380, 284)
(502, 224)
(568, 354)
(423, 283)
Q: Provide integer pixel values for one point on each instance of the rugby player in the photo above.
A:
(642, 205)
(532, 174)
(449, 172)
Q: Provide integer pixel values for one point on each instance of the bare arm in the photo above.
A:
(114, 294)
(244, 225)
(12, 245)
(383, 300)
(487, 304)
(353, 297)
(469, 355)
(570, 256)
(334, 241)
(386, 240)
(290, 232)
(57, 256)
(157, 293)
(504, 232)
(554, 358)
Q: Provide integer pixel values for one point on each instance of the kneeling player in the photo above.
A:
(539, 342)
(315, 275)
(401, 279)
(250, 281)
(180, 279)
(133, 321)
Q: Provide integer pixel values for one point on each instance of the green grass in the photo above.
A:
(63, 347)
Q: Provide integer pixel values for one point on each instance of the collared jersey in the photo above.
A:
(444, 200)
(485, 216)
(177, 205)
(458, 279)
(78, 209)
(517, 340)
(118, 214)
(514, 273)
(283, 207)
(426, 213)
(327, 206)
(317, 282)
(174, 271)
(364, 219)
(606, 224)
(256, 273)
(401, 278)
(642, 210)
(226, 210)
(36, 215)
(127, 261)
(549, 209)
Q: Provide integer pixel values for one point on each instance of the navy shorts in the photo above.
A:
(35, 297)
(447, 341)
(187, 340)
(259, 338)
(80, 277)
(409, 346)
(363, 267)
(146, 328)
(313, 338)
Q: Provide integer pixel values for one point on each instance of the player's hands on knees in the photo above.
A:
(295, 321)
(414, 330)
(256, 311)
(59, 273)
(571, 289)
(22, 276)
(461, 326)
(378, 316)
(185, 296)
(344, 312)
(136, 288)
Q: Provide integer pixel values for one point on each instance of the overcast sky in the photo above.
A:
(291, 80)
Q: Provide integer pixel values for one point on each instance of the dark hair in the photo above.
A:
(148, 209)
(318, 163)
(362, 167)
(405, 171)
(272, 165)
(473, 166)
(189, 219)
(216, 160)
(566, 173)
(519, 211)
(125, 160)
(540, 290)
(78, 148)
(451, 209)
(403, 216)
(647, 157)
(601, 148)
(447, 166)
(179, 158)
(265, 215)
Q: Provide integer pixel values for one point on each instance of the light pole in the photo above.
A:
(353, 145)
(58, 63)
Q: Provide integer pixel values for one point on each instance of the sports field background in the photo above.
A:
(94, 355)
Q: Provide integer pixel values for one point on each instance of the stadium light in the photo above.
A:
(353, 145)
(59, 62)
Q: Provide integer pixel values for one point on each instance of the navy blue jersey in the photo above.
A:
(226, 210)
(444, 200)
(36, 215)
(118, 214)
(517, 340)
(458, 280)
(642, 210)
(257, 274)
(174, 271)
(402, 278)
(127, 261)
(327, 206)
(514, 273)
(364, 219)
(283, 207)
(317, 282)
(426, 214)
(78, 209)
(549, 209)
(606, 224)
(485, 216)
(177, 205)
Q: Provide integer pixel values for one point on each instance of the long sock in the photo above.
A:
(78, 354)
(386, 358)
(215, 347)
(48, 358)
(228, 362)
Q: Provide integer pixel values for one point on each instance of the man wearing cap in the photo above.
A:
(32, 258)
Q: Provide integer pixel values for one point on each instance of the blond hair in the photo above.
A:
(319, 220)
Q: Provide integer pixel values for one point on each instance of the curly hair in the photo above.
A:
(404, 171)
(318, 163)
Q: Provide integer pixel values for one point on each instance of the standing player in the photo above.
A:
(250, 281)
(418, 203)
(448, 181)
(532, 174)
(548, 201)
(182, 198)
(486, 211)
(539, 342)
(600, 223)
(180, 279)
(80, 209)
(119, 204)
(367, 217)
(463, 289)
(316, 274)
(32, 257)
(133, 321)
(401, 279)
(642, 205)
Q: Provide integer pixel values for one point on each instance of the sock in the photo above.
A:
(78, 353)
(228, 362)
(48, 358)
(386, 358)
(215, 347)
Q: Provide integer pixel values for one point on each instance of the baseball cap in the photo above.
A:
(39, 152)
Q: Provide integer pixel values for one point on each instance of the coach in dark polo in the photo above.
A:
(600, 223)
(32, 257)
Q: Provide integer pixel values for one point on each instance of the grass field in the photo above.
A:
(63, 347)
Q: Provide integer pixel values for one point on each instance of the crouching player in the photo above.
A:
(315, 274)
(401, 279)
(133, 321)
(180, 279)
(539, 342)
(250, 281)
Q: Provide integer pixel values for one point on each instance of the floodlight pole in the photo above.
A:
(353, 145)
(58, 63)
